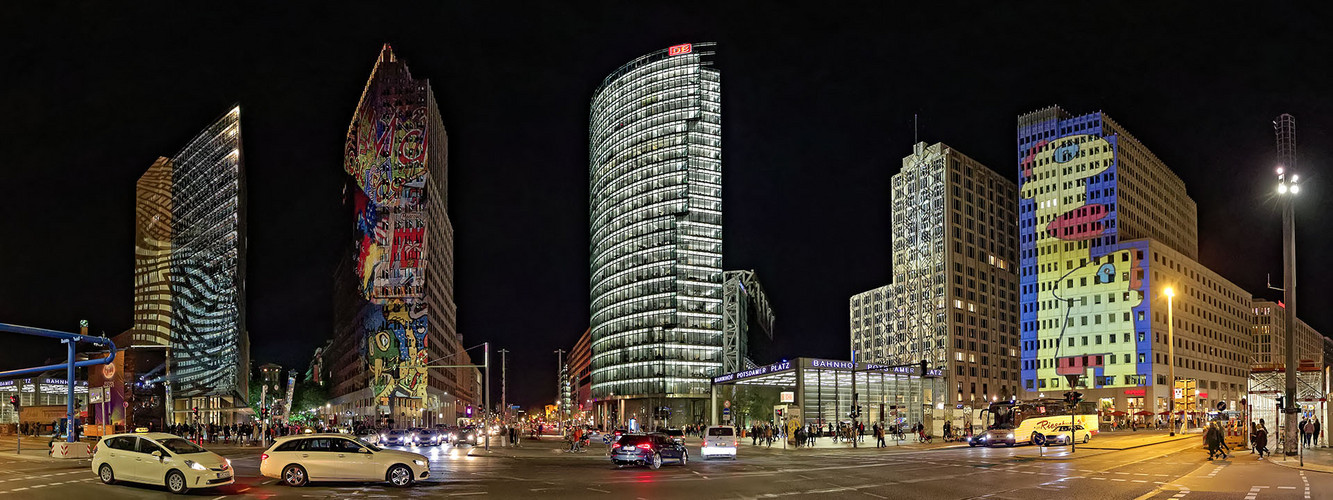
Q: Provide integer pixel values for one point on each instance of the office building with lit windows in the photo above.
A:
(953, 300)
(1105, 228)
(189, 277)
(655, 217)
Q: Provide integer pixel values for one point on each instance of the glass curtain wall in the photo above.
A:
(656, 226)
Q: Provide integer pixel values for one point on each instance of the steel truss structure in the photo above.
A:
(743, 298)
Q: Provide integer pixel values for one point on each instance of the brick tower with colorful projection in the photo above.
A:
(402, 256)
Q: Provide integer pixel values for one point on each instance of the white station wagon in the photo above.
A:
(298, 460)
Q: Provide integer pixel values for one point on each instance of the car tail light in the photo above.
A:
(263, 457)
(645, 446)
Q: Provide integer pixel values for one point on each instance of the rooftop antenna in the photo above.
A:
(916, 141)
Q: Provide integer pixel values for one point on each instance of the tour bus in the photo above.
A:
(1020, 422)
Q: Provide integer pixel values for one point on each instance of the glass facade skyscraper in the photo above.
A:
(655, 199)
(190, 270)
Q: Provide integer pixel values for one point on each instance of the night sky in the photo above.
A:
(818, 110)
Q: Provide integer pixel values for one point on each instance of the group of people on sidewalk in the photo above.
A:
(1310, 432)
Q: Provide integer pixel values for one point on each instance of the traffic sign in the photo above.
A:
(726, 411)
(726, 404)
(1221, 406)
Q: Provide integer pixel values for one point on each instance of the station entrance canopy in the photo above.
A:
(826, 391)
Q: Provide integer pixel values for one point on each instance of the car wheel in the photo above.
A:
(294, 475)
(1086, 438)
(176, 482)
(400, 475)
(971, 444)
(685, 458)
(656, 462)
(106, 475)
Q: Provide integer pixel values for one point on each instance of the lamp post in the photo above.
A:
(1170, 359)
(1287, 188)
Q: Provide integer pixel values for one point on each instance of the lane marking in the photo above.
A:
(469, 493)
(597, 490)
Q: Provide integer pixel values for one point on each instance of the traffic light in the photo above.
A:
(923, 368)
(14, 401)
(1073, 397)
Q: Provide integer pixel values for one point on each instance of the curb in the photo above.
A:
(1296, 464)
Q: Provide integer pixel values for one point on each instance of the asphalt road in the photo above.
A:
(1176, 470)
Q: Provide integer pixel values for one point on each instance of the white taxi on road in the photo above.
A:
(298, 460)
(159, 458)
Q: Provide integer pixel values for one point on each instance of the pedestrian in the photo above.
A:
(1307, 433)
(1211, 441)
(1261, 439)
(879, 437)
(1318, 431)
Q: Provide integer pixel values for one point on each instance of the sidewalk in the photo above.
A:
(827, 443)
(1316, 459)
(34, 448)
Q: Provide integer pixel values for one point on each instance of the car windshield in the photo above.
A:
(720, 431)
(675, 432)
(180, 446)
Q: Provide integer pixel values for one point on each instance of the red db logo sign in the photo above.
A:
(683, 48)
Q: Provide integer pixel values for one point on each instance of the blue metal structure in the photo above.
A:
(69, 339)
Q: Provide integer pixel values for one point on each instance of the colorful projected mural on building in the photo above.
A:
(386, 155)
(1082, 288)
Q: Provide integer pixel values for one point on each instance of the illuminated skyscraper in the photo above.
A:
(1104, 228)
(953, 300)
(189, 289)
(394, 311)
(655, 178)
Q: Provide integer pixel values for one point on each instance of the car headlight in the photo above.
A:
(1009, 435)
(419, 462)
(195, 465)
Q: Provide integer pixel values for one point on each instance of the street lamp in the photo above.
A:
(1287, 189)
(1170, 359)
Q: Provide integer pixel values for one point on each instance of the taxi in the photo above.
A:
(161, 459)
(297, 460)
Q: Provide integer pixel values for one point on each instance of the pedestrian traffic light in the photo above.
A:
(14, 401)
(923, 368)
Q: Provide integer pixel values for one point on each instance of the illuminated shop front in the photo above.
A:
(819, 392)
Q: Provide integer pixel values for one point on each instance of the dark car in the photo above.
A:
(648, 449)
(468, 435)
(676, 435)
